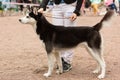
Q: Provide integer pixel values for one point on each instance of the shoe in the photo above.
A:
(66, 66)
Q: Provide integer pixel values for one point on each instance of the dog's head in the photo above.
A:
(30, 18)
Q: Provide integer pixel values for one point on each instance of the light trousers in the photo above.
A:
(61, 14)
(95, 8)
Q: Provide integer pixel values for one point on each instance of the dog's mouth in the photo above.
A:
(21, 21)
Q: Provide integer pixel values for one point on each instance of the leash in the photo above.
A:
(15, 3)
(50, 16)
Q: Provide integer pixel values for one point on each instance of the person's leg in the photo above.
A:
(119, 6)
(68, 11)
(60, 13)
(93, 7)
(68, 54)
(96, 9)
(115, 7)
(57, 15)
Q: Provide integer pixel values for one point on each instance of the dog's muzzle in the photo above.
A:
(20, 20)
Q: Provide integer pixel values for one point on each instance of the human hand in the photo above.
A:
(73, 17)
(40, 10)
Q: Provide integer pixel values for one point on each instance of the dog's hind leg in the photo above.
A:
(97, 70)
(103, 66)
(51, 62)
(97, 55)
(59, 63)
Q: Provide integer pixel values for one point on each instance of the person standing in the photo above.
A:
(64, 13)
(95, 5)
(111, 5)
(6, 6)
(119, 6)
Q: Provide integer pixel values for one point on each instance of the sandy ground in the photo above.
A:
(22, 54)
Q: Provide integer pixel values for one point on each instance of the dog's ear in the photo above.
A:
(38, 16)
(31, 14)
(31, 9)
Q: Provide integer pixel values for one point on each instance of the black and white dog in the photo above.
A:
(57, 38)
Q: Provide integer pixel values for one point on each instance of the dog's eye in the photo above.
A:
(27, 16)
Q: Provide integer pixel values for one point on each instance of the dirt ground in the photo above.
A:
(22, 54)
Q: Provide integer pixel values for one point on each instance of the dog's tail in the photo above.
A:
(105, 19)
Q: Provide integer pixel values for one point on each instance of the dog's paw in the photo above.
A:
(95, 71)
(46, 75)
(101, 76)
(59, 72)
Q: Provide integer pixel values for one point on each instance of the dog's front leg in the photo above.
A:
(50, 64)
(50, 54)
(59, 63)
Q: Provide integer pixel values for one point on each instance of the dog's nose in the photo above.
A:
(20, 20)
